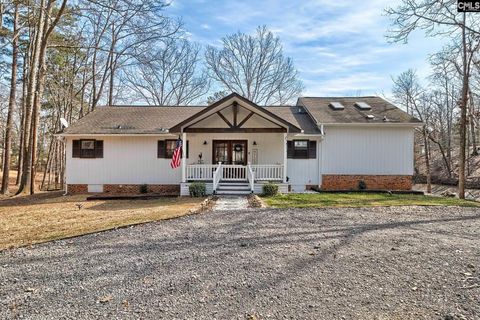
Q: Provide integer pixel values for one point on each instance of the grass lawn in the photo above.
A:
(316, 200)
(48, 216)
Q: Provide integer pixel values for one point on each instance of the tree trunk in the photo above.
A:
(427, 159)
(473, 137)
(11, 104)
(25, 183)
(463, 116)
(21, 147)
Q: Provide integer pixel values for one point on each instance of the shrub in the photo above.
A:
(143, 188)
(362, 185)
(270, 189)
(197, 189)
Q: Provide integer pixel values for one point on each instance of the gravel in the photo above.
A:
(372, 263)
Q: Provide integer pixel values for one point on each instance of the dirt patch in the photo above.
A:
(50, 215)
(255, 201)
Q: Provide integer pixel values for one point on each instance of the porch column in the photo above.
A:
(285, 158)
(184, 157)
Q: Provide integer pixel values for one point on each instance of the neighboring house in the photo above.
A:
(235, 146)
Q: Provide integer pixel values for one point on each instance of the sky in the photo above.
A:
(338, 47)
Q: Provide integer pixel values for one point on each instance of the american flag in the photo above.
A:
(177, 155)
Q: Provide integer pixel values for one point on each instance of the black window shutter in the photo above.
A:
(312, 149)
(161, 149)
(98, 148)
(290, 151)
(76, 149)
(188, 149)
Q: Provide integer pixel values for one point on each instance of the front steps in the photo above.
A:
(240, 188)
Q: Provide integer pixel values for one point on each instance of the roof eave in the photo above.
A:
(372, 124)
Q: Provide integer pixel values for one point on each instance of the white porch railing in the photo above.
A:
(233, 172)
(217, 172)
(251, 177)
(201, 172)
(268, 172)
(217, 176)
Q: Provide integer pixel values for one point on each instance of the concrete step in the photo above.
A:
(233, 187)
(233, 192)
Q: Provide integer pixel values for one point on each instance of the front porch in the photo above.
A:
(235, 179)
(234, 146)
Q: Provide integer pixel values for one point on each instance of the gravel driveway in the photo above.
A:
(377, 263)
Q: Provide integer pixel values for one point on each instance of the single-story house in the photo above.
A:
(235, 146)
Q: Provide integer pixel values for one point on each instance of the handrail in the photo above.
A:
(200, 172)
(268, 172)
(251, 177)
(217, 176)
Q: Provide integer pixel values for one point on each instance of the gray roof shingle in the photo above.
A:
(131, 120)
(322, 113)
(156, 119)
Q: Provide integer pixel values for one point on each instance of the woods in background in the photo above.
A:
(448, 104)
(62, 59)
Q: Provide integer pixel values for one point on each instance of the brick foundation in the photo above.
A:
(77, 188)
(373, 182)
(164, 189)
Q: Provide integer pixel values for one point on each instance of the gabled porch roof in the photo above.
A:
(234, 113)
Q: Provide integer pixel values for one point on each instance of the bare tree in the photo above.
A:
(409, 93)
(255, 67)
(440, 18)
(122, 29)
(11, 103)
(168, 74)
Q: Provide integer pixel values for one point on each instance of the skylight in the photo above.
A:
(336, 106)
(363, 105)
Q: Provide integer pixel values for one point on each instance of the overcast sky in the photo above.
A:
(339, 46)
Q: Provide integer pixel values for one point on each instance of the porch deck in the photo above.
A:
(252, 177)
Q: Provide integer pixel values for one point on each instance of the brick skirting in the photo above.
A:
(77, 188)
(373, 182)
(164, 189)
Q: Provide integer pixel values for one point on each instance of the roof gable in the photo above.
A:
(254, 118)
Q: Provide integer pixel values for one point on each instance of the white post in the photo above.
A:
(284, 158)
(184, 157)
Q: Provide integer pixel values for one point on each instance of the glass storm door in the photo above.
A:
(221, 152)
(230, 152)
(239, 154)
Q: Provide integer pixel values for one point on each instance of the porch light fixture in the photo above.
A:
(205, 143)
(254, 143)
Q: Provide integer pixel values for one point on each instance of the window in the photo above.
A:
(170, 146)
(300, 149)
(165, 148)
(87, 148)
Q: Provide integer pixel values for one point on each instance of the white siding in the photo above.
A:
(372, 150)
(269, 146)
(133, 160)
(302, 172)
(126, 160)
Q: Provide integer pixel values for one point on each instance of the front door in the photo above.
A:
(230, 152)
